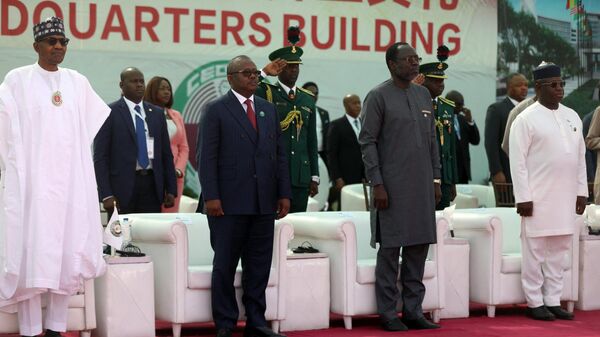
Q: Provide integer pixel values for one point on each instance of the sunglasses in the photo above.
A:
(554, 84)
(246, 72)
(53, 41)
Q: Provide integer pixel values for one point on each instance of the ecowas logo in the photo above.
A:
(201, 86)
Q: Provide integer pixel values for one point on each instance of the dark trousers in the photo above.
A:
(143, 199)
(299, 199)
(446, 195)
(411, 280)
(249, 237)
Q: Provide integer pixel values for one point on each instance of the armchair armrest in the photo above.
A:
(89, 304)
(335, 234)
(166, 241)
(438, 257)
(282, 235)
(484, 233)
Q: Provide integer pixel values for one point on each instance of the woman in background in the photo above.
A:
(159, 92)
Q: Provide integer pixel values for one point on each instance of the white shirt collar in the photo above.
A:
(352, 119)
(242, 99)
(286, 88)
(132, 105)
(514, 101)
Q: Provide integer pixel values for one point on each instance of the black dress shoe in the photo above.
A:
(560, 313)
(420, 323)
(224, 332)
(540, 313)
(394, 324)
(52, 333)
(262, 331)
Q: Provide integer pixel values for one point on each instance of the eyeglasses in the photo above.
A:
(246, 72)
(554, 84)
(410, 59)
(52, 41)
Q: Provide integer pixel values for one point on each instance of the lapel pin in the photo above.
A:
(261, 114)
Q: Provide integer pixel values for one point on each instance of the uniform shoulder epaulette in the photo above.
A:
(447, 101)
(306, 91)
(269, 90)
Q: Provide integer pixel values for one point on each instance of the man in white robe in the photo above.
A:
(50, 231)
(547, 162)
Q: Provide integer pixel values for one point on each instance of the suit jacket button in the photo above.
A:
(255, 176)
(292, 137)
(292, 152)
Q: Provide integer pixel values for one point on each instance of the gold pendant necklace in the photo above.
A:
(52, 80)
(57, 98)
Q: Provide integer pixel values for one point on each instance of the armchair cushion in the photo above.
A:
(511, 263)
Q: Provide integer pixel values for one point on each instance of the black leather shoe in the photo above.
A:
(262, 331)
(540, 313)
(52, 333)
(224, 332)
(560, 313)
(394, 324)
(420, 323)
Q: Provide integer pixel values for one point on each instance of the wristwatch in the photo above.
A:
(316, 179)
(437, 181)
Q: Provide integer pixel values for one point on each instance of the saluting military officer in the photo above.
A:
(444, 122)
(297, 115)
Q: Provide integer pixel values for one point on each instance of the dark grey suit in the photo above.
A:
(400, 151)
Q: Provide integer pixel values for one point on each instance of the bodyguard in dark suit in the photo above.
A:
(322, 123)
(495, 123)
(132, 153)
(245, 186)
(466, 133)
(345, 159)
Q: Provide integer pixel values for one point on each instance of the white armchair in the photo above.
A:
(352, 198)
(81, 316)
(483, 193)
(495, 257)
(179, 245)
(345, 237)
(589, 273)
(188, 204)
(465, 201)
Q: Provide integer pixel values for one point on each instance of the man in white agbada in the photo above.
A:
(50, 231)
(547, 162)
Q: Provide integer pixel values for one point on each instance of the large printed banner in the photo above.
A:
(190, 42)
(331, 26)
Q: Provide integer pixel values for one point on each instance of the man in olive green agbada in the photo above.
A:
(445, 129)
(297, 115)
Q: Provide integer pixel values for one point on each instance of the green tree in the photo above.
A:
(523, 41)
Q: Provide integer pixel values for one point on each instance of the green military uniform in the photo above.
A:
(444, 122)
(297, 115)
(444, 127)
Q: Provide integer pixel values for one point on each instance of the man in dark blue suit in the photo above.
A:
(495, 124)
(245, 186)
(132, 153)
